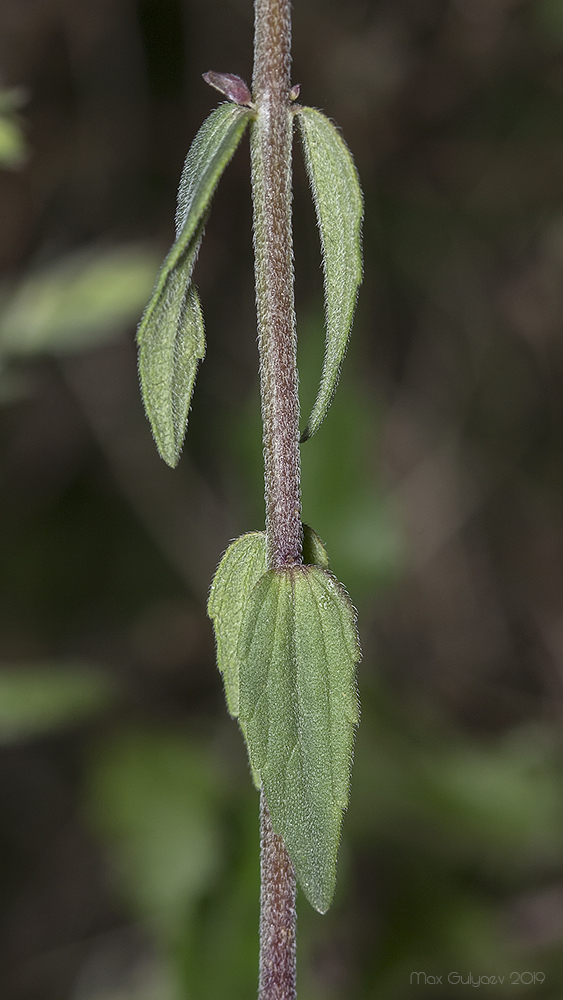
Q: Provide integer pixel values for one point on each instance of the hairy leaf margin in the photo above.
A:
(171, 336)
(339, 207)
(298, 650)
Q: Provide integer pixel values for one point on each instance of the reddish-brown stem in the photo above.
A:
(270, 141)
(271, 134)
(277, 915)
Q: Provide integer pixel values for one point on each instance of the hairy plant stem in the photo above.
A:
(277, 915)
(271, 193)
(270, 142)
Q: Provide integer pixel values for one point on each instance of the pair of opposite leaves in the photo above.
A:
(171, 335)
(286, 639)
(287, 647)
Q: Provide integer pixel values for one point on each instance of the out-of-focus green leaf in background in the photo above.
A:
(128, 819)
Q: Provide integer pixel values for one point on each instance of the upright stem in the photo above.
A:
(277, 915)
(271, 193)
(270, 143)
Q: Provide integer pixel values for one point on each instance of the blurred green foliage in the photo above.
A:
(13, 149)
(38, 699)
(154, 795)
(128, 820)
(77, 302)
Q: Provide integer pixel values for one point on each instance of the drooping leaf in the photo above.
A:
(171, 335)
(298, 650)
(209, 154)
(242, 565)
(168, 358)
(339, 206)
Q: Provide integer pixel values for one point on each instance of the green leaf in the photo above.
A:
(238, 572)
(314, 551)
(168, 359)
(171, 335)
(298, 650)
(339, 206)
(242, 565)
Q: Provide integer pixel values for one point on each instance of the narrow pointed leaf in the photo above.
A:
(298, 650)
(242, 565)
(171, 334)
(339, 206)
(173, 344)
(210, 152)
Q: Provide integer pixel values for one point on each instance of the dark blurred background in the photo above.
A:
(128, 821)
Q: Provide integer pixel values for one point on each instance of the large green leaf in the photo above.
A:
(171, 335)
(339, 207)
(298, 650)
(242, 565)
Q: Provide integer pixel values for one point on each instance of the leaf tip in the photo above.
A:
(171, 460)
(320, 887)
(169, 453)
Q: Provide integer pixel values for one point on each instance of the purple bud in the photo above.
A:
(230, 85)
(294, 92)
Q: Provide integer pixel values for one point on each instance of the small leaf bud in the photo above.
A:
(230, 85)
